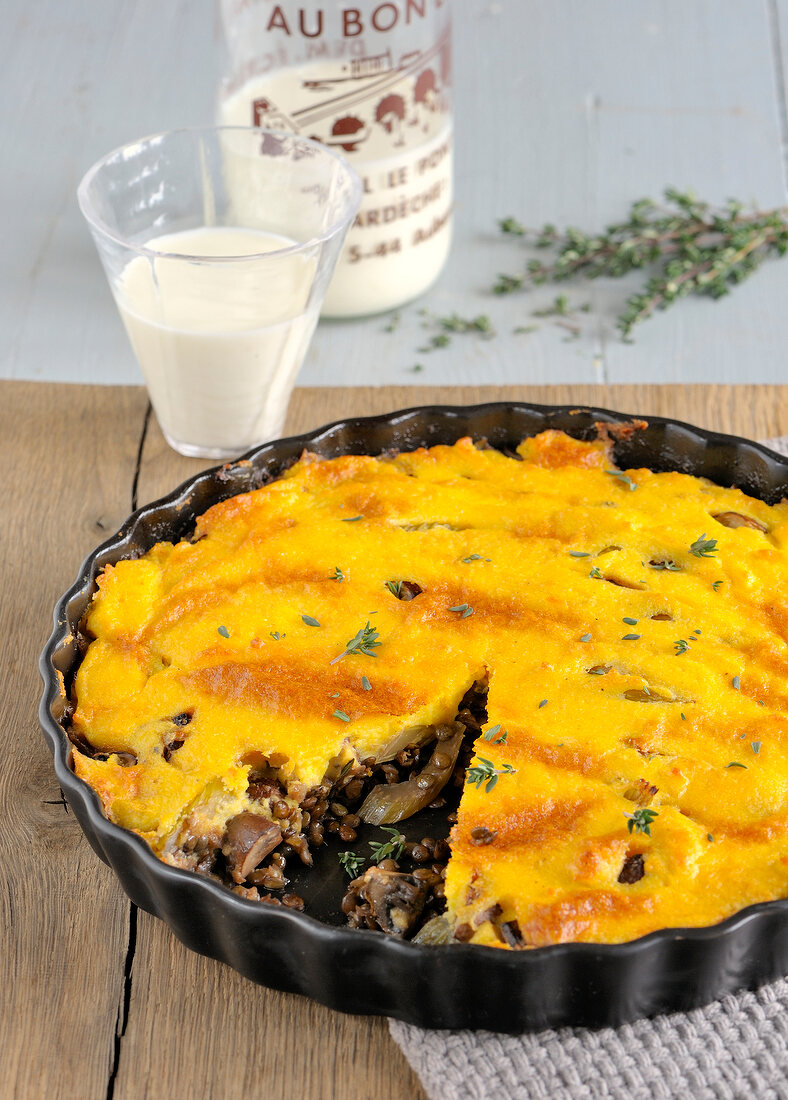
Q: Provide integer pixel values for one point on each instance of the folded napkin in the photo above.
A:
(734, 1048)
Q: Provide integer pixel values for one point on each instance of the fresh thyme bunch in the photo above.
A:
(688, 245)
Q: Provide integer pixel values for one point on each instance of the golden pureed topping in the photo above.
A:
(631, 627)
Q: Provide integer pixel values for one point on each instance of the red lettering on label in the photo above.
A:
(277, 22)
(351, 22)
(412, 6)
(377, 21)
(302, 24)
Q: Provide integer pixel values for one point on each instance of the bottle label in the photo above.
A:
(390, 117)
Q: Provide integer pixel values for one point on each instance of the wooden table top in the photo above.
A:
(98, 999)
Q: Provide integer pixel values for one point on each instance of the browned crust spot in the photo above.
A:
(297, 690)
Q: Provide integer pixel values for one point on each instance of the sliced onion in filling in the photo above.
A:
(385, 804)
(409, 737)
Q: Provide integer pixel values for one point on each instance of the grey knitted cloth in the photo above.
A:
(736, 1047)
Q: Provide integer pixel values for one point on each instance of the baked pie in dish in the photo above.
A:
(584, 664)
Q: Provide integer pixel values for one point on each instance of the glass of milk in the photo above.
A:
(219, 244)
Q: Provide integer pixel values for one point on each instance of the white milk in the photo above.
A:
(391, 122)
(220, 343)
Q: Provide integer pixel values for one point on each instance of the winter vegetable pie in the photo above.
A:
(587, 666)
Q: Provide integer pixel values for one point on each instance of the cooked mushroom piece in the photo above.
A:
(736, 519)
(641, 695)
(632, 871)
(437, 930)
(620, 582)
(511, 934)
(248, 840)
(396, 801)
(409, 590)
(170, 748)
(396, 900)
(125, 759)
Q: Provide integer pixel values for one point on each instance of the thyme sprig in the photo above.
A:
(452, 324)
(352, 862)
(641, 820)
(667, 564)
(362, 643)
(388, 849)
(489, 735)
(703, 547)
(486, 772)
(687, 246)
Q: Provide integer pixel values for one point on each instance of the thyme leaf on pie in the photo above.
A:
(225, 633)
(352, 862)
(489, 735)
(703, 547)
(395, 588)
(681, 646)
(362, 643)
(388, 849)
(340, 714)
(623, 478)
(337, 575)
(486, 772)
(309, 620)
(641, 820)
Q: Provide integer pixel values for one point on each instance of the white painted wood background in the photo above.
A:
(566, 110)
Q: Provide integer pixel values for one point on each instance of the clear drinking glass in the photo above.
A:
(219, 244)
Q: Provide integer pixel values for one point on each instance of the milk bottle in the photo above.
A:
(371, 81)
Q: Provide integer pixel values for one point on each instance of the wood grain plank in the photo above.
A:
(66, 453)
(195, 1025)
